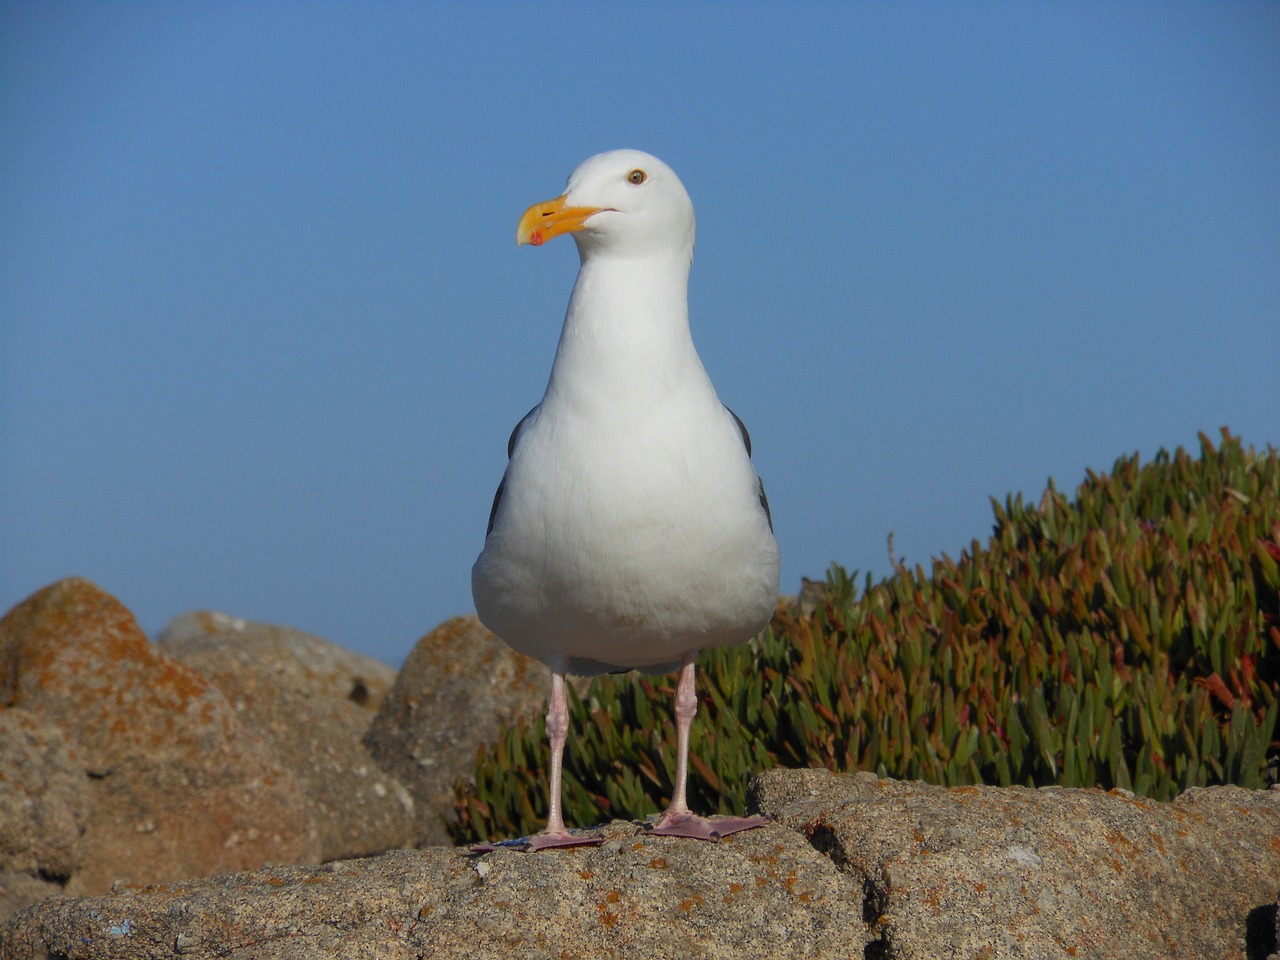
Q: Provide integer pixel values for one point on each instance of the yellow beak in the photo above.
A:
(543, 221)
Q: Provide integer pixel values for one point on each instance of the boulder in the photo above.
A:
(761, 894)
(1017, 872)
(324, 669)
(312, 702)
(44, 800)
(853, 866)
(177, 787)
(19, 890)
(458, 688)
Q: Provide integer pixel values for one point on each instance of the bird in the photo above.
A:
(630, 529)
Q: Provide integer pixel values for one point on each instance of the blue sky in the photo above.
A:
(264, 329)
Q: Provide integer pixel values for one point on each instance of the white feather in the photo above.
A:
(631, 528)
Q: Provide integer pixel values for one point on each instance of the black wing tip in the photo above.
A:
(764, 503)
(511, 448)
(515, 432)
(742, 428)
(497, 498)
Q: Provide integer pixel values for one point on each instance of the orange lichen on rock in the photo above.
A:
(178, 786)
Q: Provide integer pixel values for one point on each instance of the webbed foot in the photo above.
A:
(702, 828)
(541, 841)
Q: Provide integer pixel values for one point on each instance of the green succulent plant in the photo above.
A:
(1126, 637)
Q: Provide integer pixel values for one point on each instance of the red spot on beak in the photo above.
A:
(536, 238)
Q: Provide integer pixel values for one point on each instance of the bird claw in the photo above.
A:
(695, 827)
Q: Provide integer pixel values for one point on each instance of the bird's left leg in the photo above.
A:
(678, 820)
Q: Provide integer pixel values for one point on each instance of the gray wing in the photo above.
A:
(511, 448)
(746, 442)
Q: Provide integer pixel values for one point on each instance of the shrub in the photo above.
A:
(1128, 637)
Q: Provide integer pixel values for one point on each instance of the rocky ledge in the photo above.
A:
(853, 866)
(231, 790)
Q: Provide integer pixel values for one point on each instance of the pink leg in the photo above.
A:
(678, 820)
(554, 834)
(686, 708)
(557, 733)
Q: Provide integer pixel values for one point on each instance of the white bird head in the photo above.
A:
(623, 202)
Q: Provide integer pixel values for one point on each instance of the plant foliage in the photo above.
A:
(1127, 637)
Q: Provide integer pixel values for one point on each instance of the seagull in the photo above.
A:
(630, 529)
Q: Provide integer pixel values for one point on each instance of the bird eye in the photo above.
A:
(637, 177)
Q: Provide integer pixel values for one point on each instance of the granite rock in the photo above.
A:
(44, 802)
(311, 701)
(852, 867)
(1017, 872)
(44, 799)
(458, 688)
(761, 894)
(230, 745)
(176, 786)
(302, 660)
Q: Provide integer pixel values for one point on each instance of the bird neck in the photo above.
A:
(628, 323)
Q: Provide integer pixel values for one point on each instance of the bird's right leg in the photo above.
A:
(554, 833)
(557, 734)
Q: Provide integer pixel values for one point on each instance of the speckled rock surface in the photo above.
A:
(302, 659)
(312, 702)
(119, 761)
(176, 785)
(854, 867)
(991, 872)
(766, 893)
(44, 802)
(458, 688)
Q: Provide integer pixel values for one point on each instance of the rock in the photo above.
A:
(312, 702)
(176, 786)
(853, 867)
(323, 668)
(1016, 872)
(146, 763)
(760, 894)
(458, 688)
(19, 890)
(44, 799)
